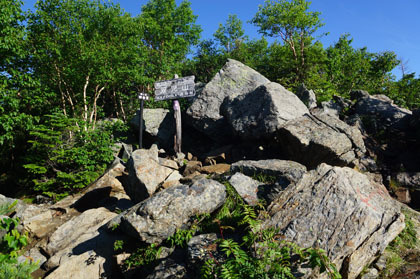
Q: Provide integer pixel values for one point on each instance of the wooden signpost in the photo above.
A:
(173, 90)
(143, 97)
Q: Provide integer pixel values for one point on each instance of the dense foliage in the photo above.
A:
(65, 65)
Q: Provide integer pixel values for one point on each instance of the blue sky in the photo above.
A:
(380, 25)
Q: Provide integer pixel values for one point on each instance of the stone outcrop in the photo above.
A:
(261, 112)
(158, 217)
(312, 140)
(232, 80)
(380, 108)
(341, 211)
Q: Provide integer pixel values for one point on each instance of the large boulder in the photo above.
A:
(158, 217)
(145, 173)
(377, 110)
(312, 140)
(158, 123)
(341, 211)
(79, 235)
(232, 80)
(261, 112)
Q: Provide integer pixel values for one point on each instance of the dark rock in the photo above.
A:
(312, 140)
(306, 96)
(200, 249)
(378, 110)
(341, 211)
(289, 170)
(159, 125)
(158, 217)
(169, 269)
(260, 113)
(232, 80)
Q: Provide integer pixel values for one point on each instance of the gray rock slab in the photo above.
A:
(379, 107)
(72, 232)
(158, 217)
(246, 187)
(169, 269)
(145, 174)
(312, 140)
(232, 80)
(289, 170)
(341, 211)
(261, 112)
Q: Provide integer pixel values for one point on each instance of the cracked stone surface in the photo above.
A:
(341, 211)
(158, 217)
(232, 80)
(312, 140)
(260, 113)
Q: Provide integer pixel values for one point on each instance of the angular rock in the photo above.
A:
(76, 231)
(192, 167)
(232, 80)
(169, 269)
(341, 211)
(246, 187)
(88, 265)
(261, 112)
(306, 96)
(372, 273)
(217, 169)
(172, 180)
(106, 190)
(168, 163)
(126, 151)
(380, 108)
(158, 124)
(200, 249)
(288, 171)
(312, 140)
(145, 174)
(33, 256)
(158, 217)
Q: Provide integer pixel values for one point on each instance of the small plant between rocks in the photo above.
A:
(11, 244)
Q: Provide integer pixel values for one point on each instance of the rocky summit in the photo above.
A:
(257, 159)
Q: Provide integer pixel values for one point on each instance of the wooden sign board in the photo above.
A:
(175, 88)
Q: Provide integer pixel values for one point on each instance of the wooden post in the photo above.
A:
(178, 135)
(142, 97)
(141, 124)
(177, 116)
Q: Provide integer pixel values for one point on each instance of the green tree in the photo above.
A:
(230, 35)
(15, 117)
(348, 68)
(87, 53)
(294, 24)
(169, 32)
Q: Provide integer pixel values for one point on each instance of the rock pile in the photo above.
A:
(314, 192)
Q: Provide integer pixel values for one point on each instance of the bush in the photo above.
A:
(11, 243)
(64, 158)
